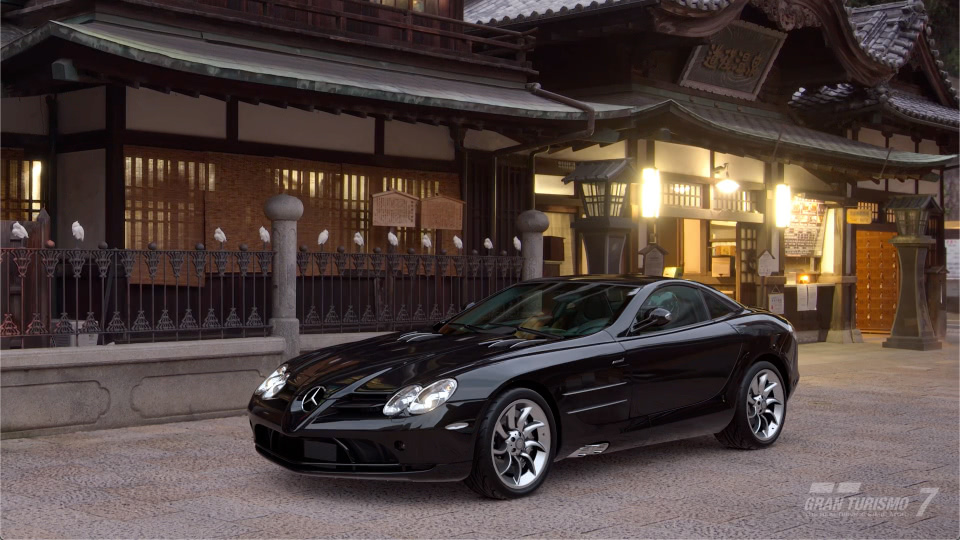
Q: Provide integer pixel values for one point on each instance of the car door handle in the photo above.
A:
(618, 361)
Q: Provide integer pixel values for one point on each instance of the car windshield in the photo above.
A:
(546, 310)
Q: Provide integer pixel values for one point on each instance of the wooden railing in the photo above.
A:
(385, 24)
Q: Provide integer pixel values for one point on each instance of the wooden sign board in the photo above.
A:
(767, 265)
(441, 212)
(859, 216)
(394, 209)
(735, 62)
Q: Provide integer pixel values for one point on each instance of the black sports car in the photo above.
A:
(541, 371)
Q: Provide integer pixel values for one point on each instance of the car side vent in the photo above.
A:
(417, 336)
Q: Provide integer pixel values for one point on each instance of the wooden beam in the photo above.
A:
(210, 144)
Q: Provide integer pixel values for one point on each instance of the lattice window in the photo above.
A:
(738, 201)
(21, 186)
(164, 197)
(680, 194)
(873, 207)
(891, 216)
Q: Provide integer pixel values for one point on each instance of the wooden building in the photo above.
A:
(157, 122)
(847, 107)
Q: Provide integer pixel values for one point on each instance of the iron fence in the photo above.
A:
(62, 297)
(352, 292)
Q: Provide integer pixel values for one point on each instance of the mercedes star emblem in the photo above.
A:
(312, 399)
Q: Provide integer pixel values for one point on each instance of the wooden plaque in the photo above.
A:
(859, 216)
(441, 212)
(394, 209)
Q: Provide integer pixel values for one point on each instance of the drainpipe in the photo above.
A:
(570, 102)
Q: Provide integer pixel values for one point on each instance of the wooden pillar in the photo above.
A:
(115, 196)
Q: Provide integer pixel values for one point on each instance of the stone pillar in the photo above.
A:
(912, 328)
(531, 225)
(284, 211)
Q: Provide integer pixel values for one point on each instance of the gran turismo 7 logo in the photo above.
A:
(845, 499)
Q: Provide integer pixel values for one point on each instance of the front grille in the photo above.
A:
(358, 405)
(327, 453)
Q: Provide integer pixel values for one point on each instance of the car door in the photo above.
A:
(684, 362)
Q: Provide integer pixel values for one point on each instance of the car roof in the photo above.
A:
(614, 279)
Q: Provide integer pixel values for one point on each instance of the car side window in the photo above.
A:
(715, 306)
(684, 304)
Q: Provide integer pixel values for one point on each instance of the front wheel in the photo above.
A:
(514, 446)
(760, 409)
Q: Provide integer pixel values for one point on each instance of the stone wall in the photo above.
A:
(49, 391)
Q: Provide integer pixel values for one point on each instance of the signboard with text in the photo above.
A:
(394, 209)
(735, 62)
(804, 236)
(441, 212)
(859, 216)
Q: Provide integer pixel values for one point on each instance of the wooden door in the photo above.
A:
(747, 254)
(878, 280)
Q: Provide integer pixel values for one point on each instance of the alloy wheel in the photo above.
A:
(521, 443)
(765, 404)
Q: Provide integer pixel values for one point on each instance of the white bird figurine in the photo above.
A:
(264, 235)
(425, 241)
(487, 243)
(77, 230)
(323, 237)
(516, 243)
(18, 231)
(457, 242)
(358, 239)
(219, 236)
(392, 238)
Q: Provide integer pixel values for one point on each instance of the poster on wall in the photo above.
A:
(953, 258)
(802, 304)
(776, 303)
(804, 237)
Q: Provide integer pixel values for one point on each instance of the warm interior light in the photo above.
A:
(805, 278)
(728, 186)
(650, 193)
(783, 203)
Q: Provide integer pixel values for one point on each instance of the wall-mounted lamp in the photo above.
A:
(650, 193)
(728, 186)
(783, 204)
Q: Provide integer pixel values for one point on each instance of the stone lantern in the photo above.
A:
(912, 328)
(603, 188)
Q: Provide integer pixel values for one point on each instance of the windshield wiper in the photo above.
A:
(537, 332)
(466, 326)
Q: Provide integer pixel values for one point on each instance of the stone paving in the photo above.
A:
(867, 424)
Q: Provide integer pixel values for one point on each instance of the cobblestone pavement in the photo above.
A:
(866, 423)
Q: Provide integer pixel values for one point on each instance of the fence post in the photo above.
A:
(284, 211)
(531, 225)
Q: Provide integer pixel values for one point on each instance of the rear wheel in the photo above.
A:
(514, 446)
(761, 408)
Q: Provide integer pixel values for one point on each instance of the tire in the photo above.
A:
(749, 430)
(500, 470)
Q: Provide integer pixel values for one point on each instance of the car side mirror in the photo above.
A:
(652, 319)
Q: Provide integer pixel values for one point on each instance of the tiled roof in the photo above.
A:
(263, 63)
(889, 32)
(846, 97)
(9, 32)
(775, 130)
(515, 11)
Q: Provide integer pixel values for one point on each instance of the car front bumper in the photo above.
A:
(415, 448)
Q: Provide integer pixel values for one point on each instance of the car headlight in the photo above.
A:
(419, 400)
(274, 383)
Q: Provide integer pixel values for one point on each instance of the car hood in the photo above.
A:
(388, 363)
